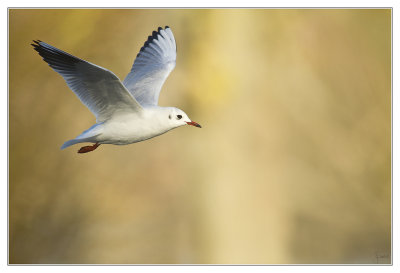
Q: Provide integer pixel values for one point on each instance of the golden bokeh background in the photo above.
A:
(292, 165)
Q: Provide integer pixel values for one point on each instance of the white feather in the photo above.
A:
(152, 66)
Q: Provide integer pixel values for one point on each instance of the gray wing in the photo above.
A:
(98, 88)
(152, 66)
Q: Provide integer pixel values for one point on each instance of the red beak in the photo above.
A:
(194, 124)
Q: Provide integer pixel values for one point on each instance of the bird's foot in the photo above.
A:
(86, 149)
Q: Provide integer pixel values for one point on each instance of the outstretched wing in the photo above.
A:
(98, 88)
(152, 66)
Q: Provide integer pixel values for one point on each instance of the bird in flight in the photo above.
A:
(126, 112)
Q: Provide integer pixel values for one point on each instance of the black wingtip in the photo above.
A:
(53, 55)
(154, 36)
(35, 44)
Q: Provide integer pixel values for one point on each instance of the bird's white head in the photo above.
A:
(178, 118)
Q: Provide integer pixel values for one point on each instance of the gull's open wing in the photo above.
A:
(98, 88)
(152, 66)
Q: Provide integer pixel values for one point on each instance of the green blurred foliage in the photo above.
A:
(292, 165)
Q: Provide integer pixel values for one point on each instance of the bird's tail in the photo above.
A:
(71, 142)
(87, 136)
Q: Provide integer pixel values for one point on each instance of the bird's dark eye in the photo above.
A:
(169, 116)
(179, 116)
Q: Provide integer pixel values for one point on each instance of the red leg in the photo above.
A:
(87, 149)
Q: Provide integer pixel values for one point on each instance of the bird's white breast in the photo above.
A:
(128, 128)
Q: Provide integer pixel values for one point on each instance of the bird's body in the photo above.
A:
(128, 128)
(126, 112)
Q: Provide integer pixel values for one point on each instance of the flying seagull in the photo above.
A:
(126, 112)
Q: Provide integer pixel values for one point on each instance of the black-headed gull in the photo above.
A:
(125, 112)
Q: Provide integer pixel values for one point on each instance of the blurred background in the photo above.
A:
(292, 165)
